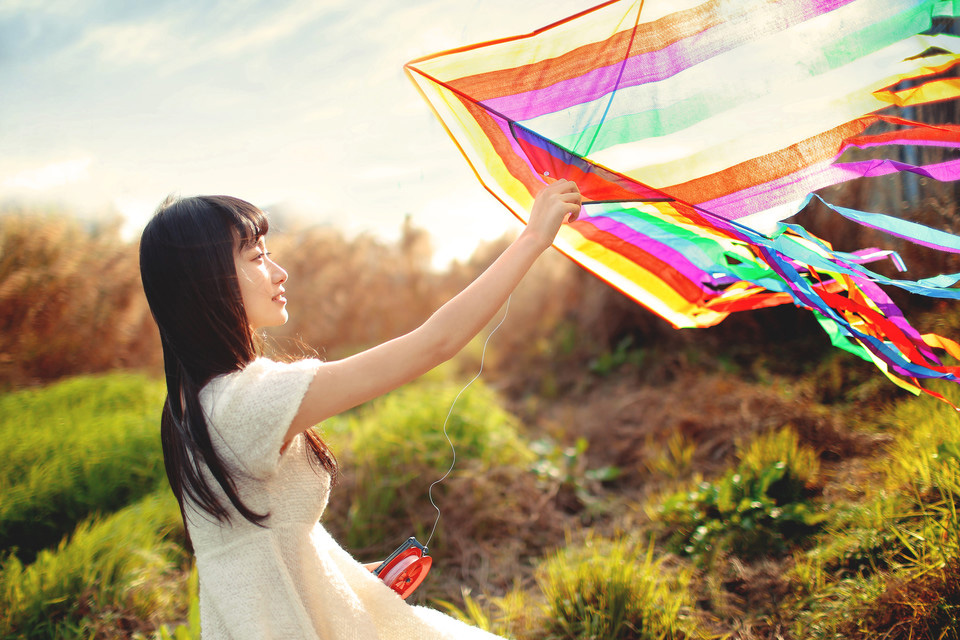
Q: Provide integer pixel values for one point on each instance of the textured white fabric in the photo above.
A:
(289, 579)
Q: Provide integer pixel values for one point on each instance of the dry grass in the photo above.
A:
(70, 301)
(347, 294)
(924, 608)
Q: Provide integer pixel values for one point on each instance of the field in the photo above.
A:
(615, 478)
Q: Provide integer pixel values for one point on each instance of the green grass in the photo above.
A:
(85, 445)
(114, 571)
(888, 567)
(84, 470)
(394, 448)
(612, 589)
(924, 467)
(920, 427)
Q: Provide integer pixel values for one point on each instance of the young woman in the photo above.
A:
(251, 477)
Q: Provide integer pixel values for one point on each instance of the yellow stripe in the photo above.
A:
(561, 39)
(476, 146)
(942, 89)
(640, 284)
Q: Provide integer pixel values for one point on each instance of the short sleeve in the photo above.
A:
(249, 411)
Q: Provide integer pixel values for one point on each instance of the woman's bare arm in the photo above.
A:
(346, 383)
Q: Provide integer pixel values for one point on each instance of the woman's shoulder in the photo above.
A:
(262, 369)
(261, 379)
(248, 411)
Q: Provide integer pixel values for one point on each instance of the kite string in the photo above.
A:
(446, 420)
(616, 87)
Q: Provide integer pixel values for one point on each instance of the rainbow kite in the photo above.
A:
(694, 128)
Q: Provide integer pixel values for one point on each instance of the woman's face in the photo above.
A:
(261, 289)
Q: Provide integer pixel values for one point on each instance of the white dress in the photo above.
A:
(289, 579)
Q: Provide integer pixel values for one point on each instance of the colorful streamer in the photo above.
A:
(694, 128)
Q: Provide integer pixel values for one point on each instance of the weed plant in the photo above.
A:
(112, 572)
(671, 460)
(920, 428)
(613, 590)
(563, 472)
(758, 508)
(190, 629)
(925, 466)
(783, 446)
(73, 448)
(848, 567)
(889, 568)
(858, 540)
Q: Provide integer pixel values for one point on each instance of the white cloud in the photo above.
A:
(56, 174)
(171, 41)
(271, 28)
(141, 43)
(273, 101)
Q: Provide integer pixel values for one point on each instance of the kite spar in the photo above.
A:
(694, 129)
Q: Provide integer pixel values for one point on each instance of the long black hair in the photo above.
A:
(189, 276)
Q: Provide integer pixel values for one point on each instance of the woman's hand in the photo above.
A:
(555, 204)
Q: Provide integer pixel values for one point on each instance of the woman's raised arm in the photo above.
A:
(342, 384)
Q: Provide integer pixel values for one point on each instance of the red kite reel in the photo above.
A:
(405, 568)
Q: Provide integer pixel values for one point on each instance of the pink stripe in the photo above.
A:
(660, 250)
(653, 66)
(798, 184)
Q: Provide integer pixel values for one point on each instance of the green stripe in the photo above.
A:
(707, 104)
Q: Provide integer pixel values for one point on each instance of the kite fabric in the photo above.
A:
(694, 129)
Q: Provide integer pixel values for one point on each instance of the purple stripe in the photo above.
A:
(768, 194)
(892, 313)
(674, 259)
(905, 142)
(517, 150)
(653, 66)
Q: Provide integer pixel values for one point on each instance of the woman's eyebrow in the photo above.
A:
(255, 244)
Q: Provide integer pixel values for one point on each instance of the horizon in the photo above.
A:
(109, 108)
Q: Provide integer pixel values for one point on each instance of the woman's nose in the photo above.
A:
(279, 276)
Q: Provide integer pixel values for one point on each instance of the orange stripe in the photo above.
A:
(767, 167)
(666, 273)
(649, 37)
(517, 166)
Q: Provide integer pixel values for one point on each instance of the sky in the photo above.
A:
(109, 106)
